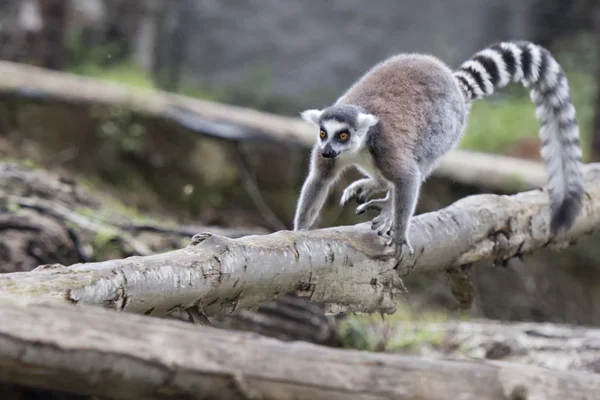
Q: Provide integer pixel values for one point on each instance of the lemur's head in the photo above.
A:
(342, 128)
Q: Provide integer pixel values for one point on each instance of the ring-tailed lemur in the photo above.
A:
(405, 113)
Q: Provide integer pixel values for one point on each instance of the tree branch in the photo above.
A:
(92, 351)
(349, 268)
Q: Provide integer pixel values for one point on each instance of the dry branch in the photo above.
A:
(496, 172)
(89, 351)
(348, 267)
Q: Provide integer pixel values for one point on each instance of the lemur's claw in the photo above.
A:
(399, 250)
(362, 208)
(411, 251)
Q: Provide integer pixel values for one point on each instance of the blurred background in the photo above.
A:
(282, 56)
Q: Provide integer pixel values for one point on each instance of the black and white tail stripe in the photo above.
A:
(535, 68)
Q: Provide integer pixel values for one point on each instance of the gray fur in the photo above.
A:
(408, 111)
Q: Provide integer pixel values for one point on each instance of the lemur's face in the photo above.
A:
(341, 129)
(336, 137)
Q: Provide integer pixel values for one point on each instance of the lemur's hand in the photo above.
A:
(360, 190)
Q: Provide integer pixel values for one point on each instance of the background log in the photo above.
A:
(228, 122)
(556, 346)
(62, 347)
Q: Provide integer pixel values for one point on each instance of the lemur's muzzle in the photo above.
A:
(328, 152)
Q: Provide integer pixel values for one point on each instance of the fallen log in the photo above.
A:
(495, 172)
(348, 268)
(46, 219)
(92, 351)
(556, 346)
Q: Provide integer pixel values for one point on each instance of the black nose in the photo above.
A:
(328, 153)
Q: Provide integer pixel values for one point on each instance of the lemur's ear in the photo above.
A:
(365, 121)
(311, 116)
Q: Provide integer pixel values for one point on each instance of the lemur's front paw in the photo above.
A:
(360, 190)
(354, 191)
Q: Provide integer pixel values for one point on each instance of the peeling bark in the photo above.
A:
(89, 351)
(348, 268)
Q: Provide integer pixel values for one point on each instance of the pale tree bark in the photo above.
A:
(65, 348)
(501, 173)
(348, 268)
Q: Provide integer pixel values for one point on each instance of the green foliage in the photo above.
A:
(507, 118)
(492, 125)
(109, 61)
(394, 332)
(123, 72)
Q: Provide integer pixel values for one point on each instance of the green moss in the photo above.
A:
(13, 207)
(31, 164)
(111, 207)
(410, 339)
(103, 244)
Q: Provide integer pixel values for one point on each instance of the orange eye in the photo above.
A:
(322, 134)
(343, 136)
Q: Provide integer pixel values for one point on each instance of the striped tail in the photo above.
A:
(535, 68)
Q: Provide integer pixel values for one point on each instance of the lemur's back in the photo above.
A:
(420, 99)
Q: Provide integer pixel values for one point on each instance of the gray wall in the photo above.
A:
(290, 54)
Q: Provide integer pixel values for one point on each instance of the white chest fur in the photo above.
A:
(362, 160)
